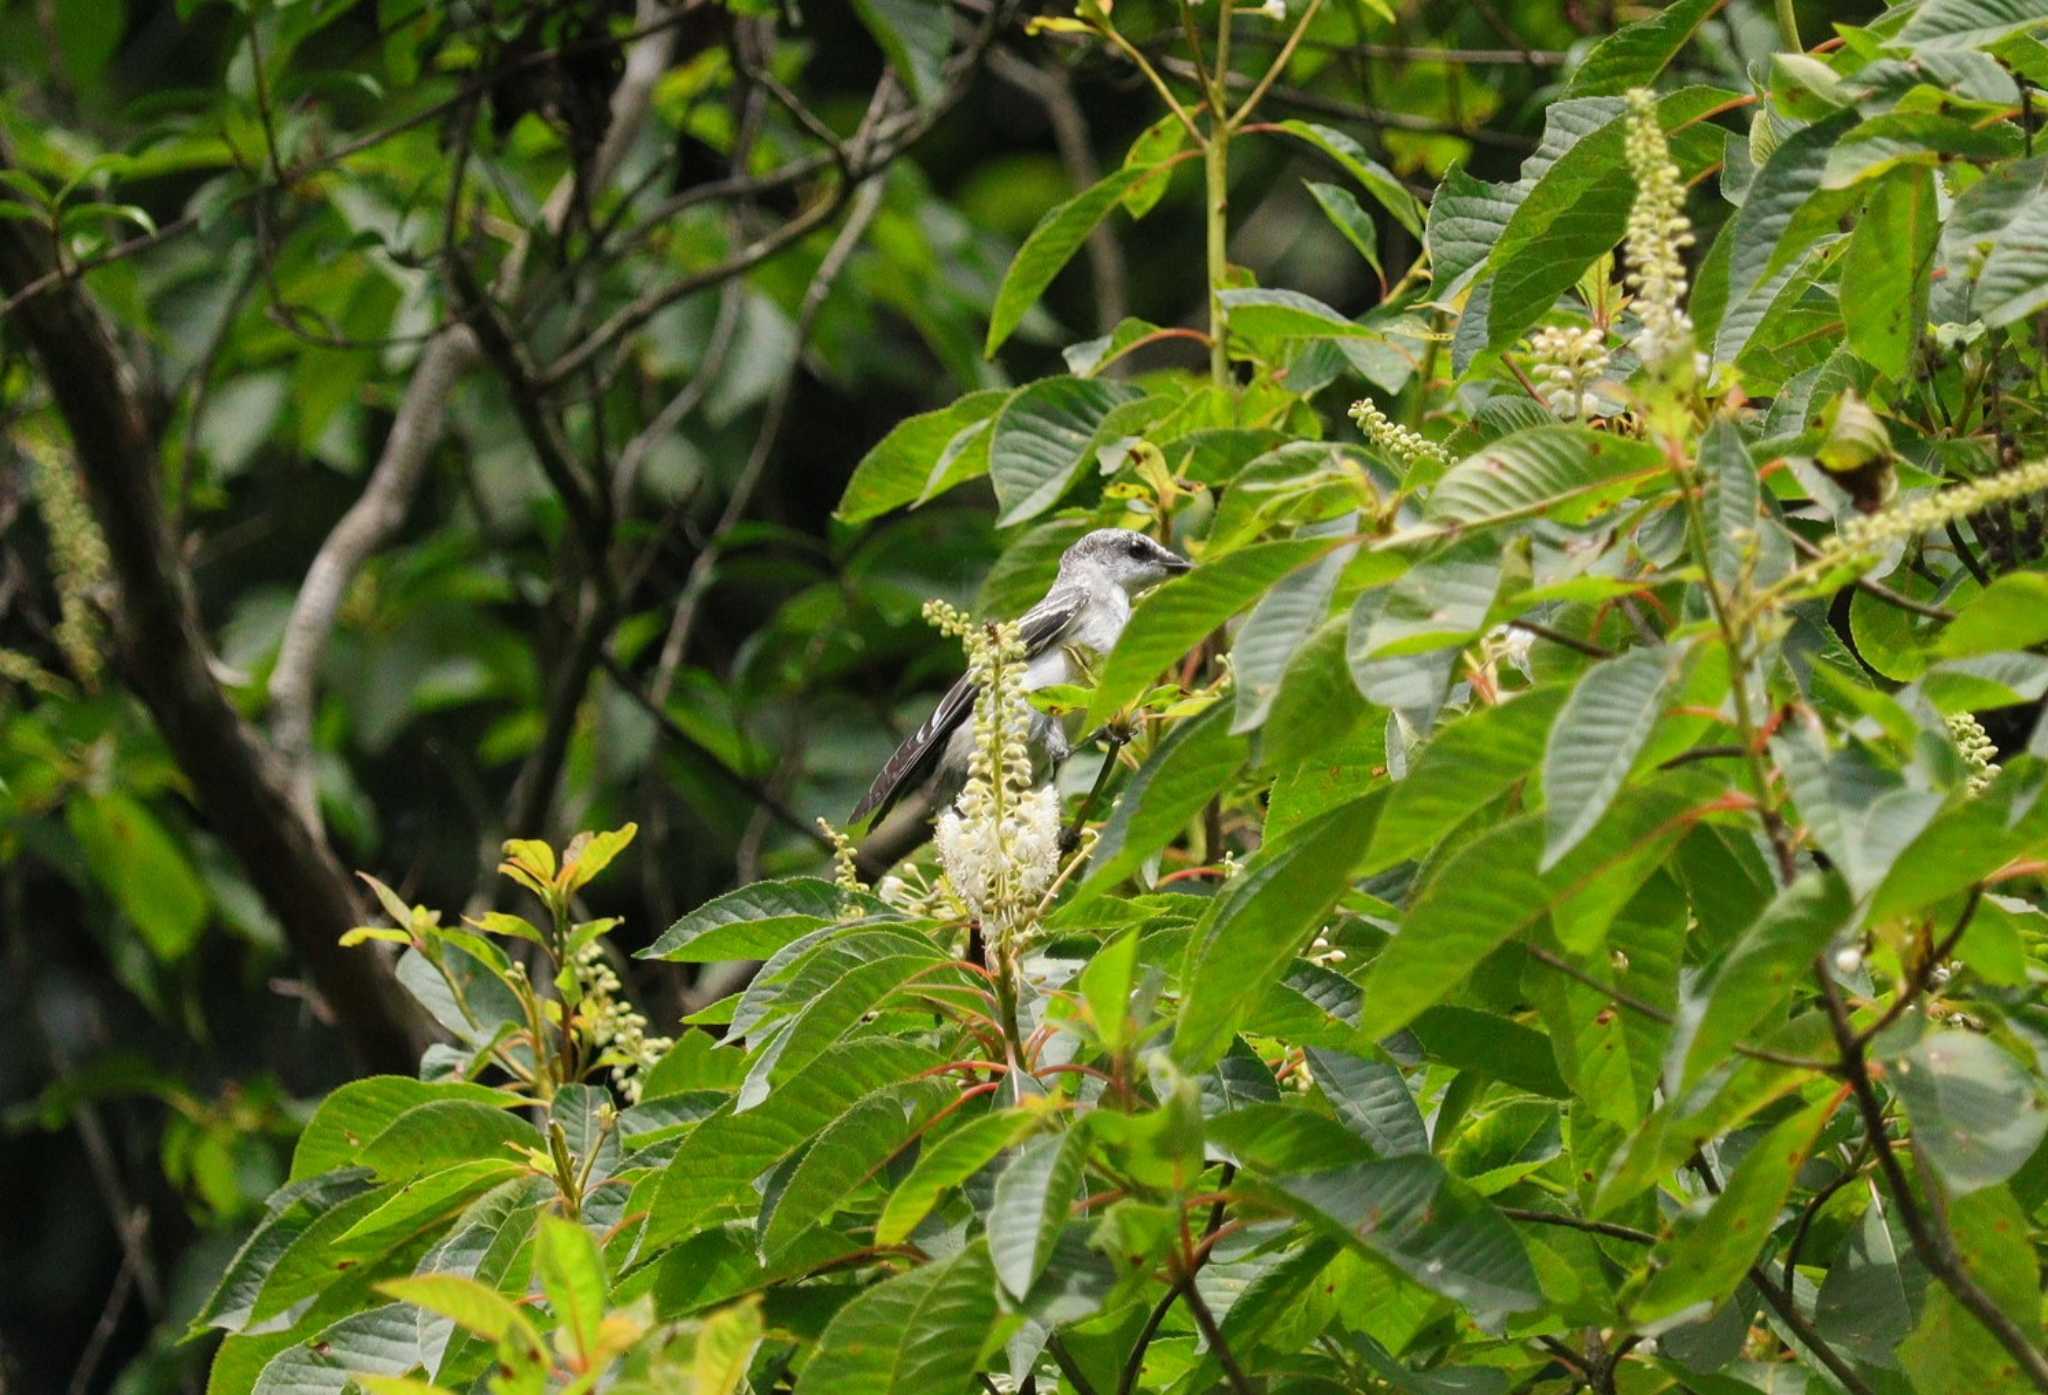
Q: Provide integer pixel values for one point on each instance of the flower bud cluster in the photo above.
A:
(1873, 532)
(1977, 749)
(1658, 234)
(1408, 447)
(78, 556)
(1567, 361)
(615, 1028)
(999, 844)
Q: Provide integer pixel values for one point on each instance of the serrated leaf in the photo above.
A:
(383, 1341)
(357, 1112)
(288, 1214)
(945, 1165)
(1756, 975)
(1567, 473)
(1377, 180)
(1268, 318)
(572, 1275)
(1436, 1230)
(443, 1132)
(1195, 761)
(1466, 219)
(1033, 1195)
(904, 1335)
(1466, 764)
(1259, 921)
(901, 467)
(1350, 219)
(711, 1178)
(1604, 726)
(1705, 1263)
(913, 44)
(1636, 53)
(1051, 244)
(849, 1152)
(1941, 24)
(755, 921)
(1371, 1098)
(1890, 255)
(1977, 1115)
(1045, 437)
(470, 1305)
(1283, 620)
(1177, 616)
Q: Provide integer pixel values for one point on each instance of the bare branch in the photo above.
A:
(422, 414)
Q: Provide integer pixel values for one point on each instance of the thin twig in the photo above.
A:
(1583, 646)
(1876, 589)
(1923, 975)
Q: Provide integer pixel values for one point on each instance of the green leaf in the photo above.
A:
(287, 1215)
(919, 1333)
(1266, 319)
(711, 1178)
(1704, 1263)
(445, 1131)
(1089, 357)
(1045, 437)
(755, 921)
(1890, 256)
(1283, 620)
(1432, 1227)
(469, 1304)
(357, 1112)
(1152, 152)
(1578, 209)
(726, 1344)
(1777, 219)
(1371, 1098)
(1197, 759)
(1106, 989)
(1377, 180)
(1636, 53)
(1566, 473)
(1051, 244)
(1489, 892)
(1467, 764)
(1899, 138)
(913, 44)
(904, 462)
(828, 1012)
(572, 1275)
(1259, 921)
(1863, 1304)
(948, 1163)
(1342, 208)
(2010, 613)
(1940, 24)
(852, 1150)
(1179, 615)
(383, 1341)
(1951, 1352)
(1033, 1196)
(140, 865)
(1603, 728)
(1757, 975)
(420, 1206)
(1466, 219)
(1965, 844)
(1977, 1115)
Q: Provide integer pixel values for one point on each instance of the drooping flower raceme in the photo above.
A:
(1977, 749)
(1658, 234)
(999, 844)
(1408, 447)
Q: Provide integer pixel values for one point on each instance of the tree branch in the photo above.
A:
(422, 414)
(166, 658)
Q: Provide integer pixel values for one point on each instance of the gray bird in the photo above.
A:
(1085, 610)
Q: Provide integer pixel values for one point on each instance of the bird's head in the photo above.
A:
(1125, 558)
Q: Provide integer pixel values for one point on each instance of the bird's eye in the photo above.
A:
(1136, 548)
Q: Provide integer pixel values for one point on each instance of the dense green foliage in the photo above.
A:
(1570, 914)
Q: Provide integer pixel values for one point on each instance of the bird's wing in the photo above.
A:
(1040, 628)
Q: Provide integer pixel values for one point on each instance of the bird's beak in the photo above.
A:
(1176, 564)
